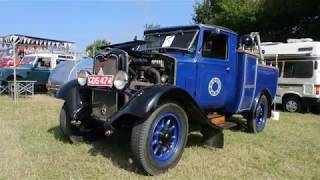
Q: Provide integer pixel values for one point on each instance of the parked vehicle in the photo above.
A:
(6, 59)
(34, 67)
(67, 71)
(183, 76)
(299, 77)
(8, 62)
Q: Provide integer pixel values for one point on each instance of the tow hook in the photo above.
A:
(108, 132)
(75, 122)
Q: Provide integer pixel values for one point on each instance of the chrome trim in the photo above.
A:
(249, 86)
(244, 81)
(255, 83)
(175, 72)
(173, 31)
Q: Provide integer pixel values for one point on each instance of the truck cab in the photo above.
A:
(177, 77)
(34, 67)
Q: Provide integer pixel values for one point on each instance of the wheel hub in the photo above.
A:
(165, 137)
(292, 106)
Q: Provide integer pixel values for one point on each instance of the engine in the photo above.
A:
(150, 69)
(143, 69)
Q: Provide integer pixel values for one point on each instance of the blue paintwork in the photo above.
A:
(166, 138)
(243, 83)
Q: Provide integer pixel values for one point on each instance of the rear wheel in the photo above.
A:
(158, 142)
(292, 104)
(258, 116)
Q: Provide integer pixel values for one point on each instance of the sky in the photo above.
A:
(83, 21)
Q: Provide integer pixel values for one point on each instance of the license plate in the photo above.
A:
(106, 80)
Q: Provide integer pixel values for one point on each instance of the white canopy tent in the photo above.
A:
(15, 41)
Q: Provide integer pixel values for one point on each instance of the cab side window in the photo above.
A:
(215, 46)
(44, 63)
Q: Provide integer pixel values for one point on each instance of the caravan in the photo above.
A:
(298, 61)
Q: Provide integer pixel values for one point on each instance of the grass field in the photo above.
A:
(32, 147)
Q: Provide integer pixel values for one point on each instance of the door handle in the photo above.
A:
(228, 69)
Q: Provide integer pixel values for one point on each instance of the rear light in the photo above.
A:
(317, 89)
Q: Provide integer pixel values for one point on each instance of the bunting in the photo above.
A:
(27, 40)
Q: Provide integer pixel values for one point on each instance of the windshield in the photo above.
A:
(27, 60)
(180, 39)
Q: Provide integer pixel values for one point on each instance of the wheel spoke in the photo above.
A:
(156, 149)
(172, 128)
(154, 142)
(167, 123)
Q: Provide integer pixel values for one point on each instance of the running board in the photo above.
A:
(220, 121)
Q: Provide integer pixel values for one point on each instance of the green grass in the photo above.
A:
(32, 147)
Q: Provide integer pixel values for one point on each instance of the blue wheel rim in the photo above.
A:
(261, 115)
(166, 138)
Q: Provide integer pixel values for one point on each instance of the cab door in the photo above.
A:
(216, 70)
(41, 71)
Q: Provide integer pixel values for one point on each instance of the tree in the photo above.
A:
(151, 26)
(96, 46)
(275, 20)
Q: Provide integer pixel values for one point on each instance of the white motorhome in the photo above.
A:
(52, 58)
(298, 61)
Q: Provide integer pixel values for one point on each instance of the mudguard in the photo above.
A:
(265, 92)
(69, 92)
(144, 102)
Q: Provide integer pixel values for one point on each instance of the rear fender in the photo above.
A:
(267, 93)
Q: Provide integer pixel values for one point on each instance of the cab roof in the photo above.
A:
(186, 27)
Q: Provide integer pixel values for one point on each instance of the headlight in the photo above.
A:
(82, 77)
(120, 80)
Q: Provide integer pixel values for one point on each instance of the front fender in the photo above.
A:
(69, 92)
(144, 102)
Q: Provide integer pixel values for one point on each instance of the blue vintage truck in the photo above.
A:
(159, 87)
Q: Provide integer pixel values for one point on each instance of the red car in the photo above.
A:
(8, 61)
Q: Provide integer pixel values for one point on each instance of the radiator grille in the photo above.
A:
(109, 65)
(103, 104)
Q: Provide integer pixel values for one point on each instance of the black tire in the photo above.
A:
(292, 104)
(257, 118)
(88, 130)
(143, 135)
(68, 130)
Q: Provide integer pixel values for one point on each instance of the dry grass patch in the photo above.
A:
(32, 147)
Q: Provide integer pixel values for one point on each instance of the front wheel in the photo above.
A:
(68, 130)
(87, 130)
(258, 116)
(158, 142)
